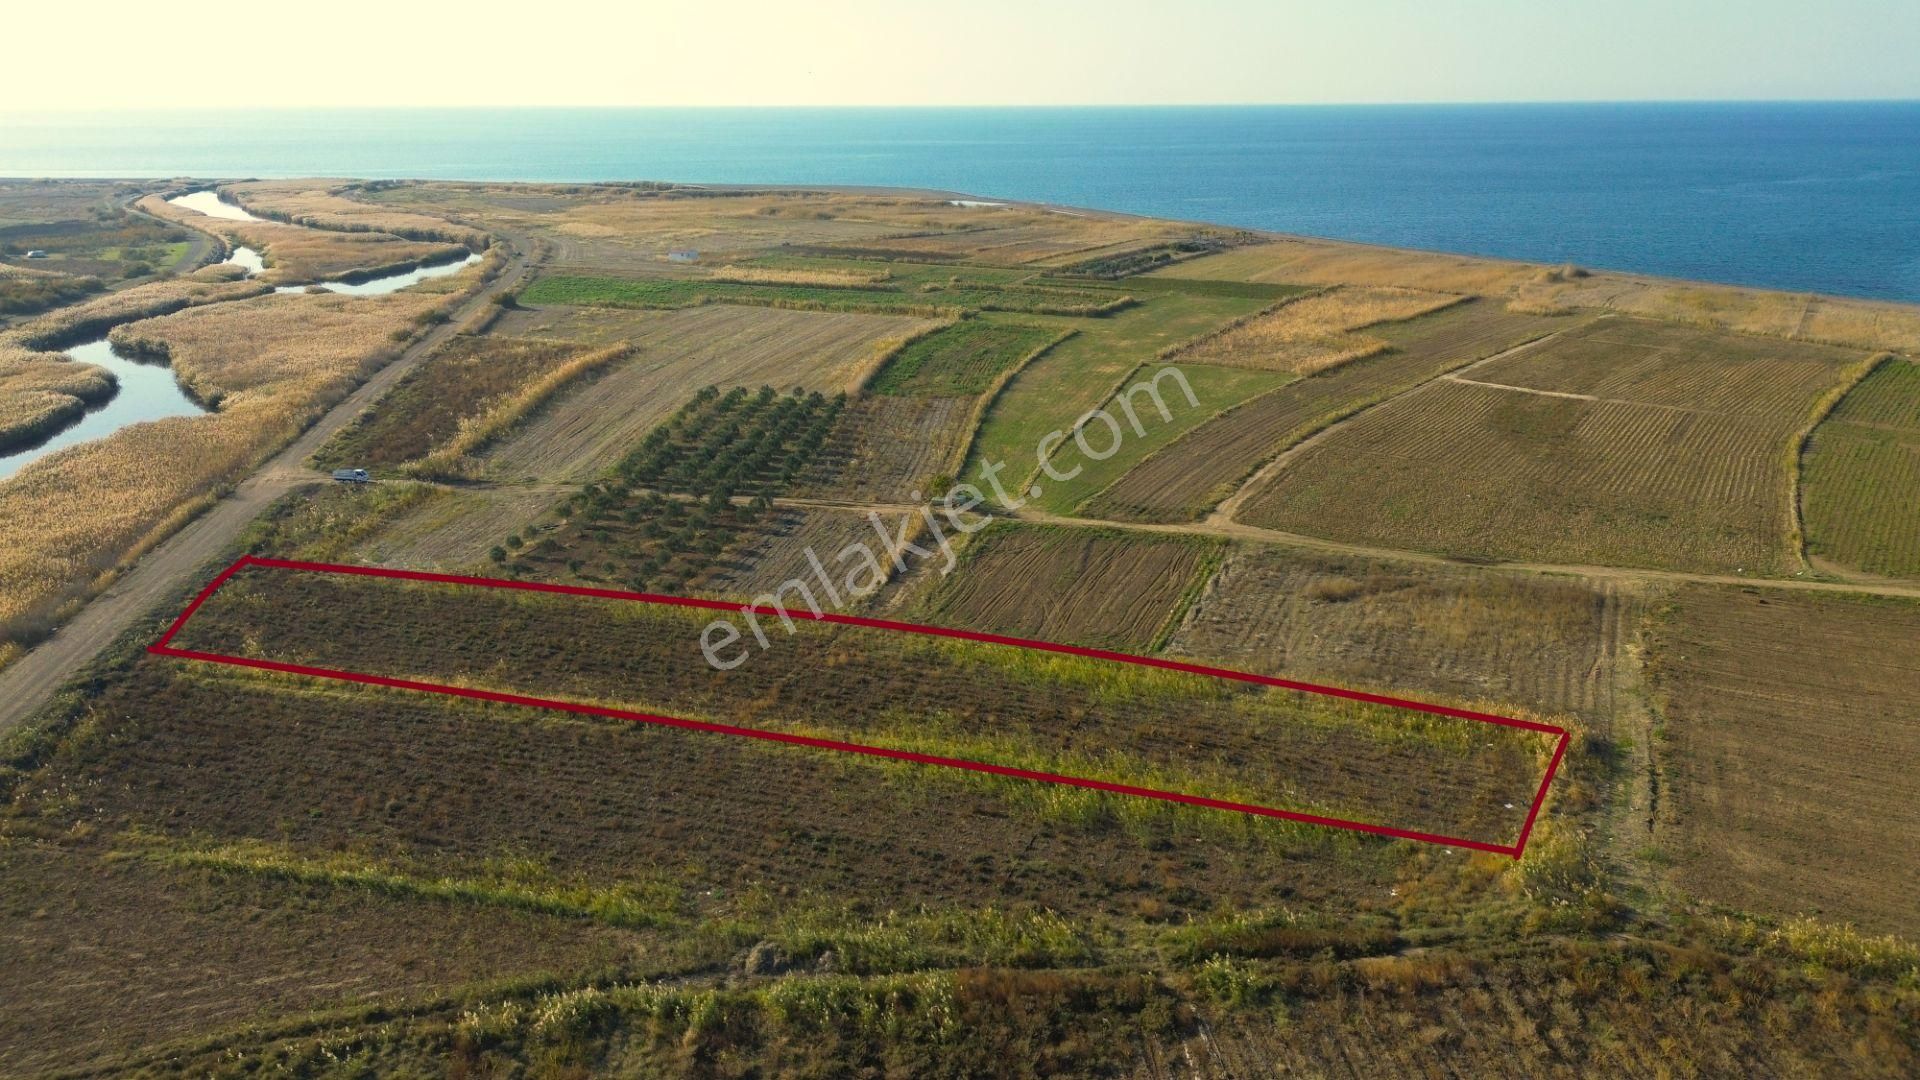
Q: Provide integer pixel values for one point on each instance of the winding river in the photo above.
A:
(147, 389)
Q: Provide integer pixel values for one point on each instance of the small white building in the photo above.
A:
(36, 253)
(683, 255)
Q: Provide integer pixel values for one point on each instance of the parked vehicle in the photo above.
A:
(352, 476)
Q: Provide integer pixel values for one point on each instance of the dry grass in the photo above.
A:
(1327, 262)
(40, 391)
(320, 205)
(295, 253)
(71, 324)
(1313, 333)
(830, 279)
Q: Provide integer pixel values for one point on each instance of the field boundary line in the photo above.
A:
(165, 647)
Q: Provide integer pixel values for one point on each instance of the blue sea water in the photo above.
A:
(1807, 196)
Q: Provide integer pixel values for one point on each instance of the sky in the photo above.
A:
(347, 53)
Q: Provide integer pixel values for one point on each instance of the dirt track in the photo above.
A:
(26, 684)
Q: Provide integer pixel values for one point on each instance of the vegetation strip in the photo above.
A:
(164, 647)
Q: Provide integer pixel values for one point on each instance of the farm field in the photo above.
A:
(1186, 479)
(589, 429)
(933, 298)
(1552, 645)
(442, 400)
(1520, 469)
(1181, 732)
(1081, 586)
(1313, 333)
(1080, 373)
(208, 869)
(1787, 723)
(1861, 476)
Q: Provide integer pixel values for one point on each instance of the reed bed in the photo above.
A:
(40, 391)
(295, 253)
(1315, 332)
(71, 324)
(318, 206)
(272, 364)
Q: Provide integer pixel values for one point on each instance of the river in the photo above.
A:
(147, 389)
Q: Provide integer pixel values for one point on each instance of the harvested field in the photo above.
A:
(1519, 469)
(1861, 476)
(1012, 706)
(1195, 473)
(886, 448)
(777, 553)
(1083, 586)
(1640, 362)
(106, 955)
(584, 432)
(1549, 644)
(1315, 332)
(453, 531)
(1789, 727)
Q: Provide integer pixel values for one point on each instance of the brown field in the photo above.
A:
(1082, 586)
(451, 531)
(169, 941)
(584, 432)
(1551, 645)
(295, 253)
(1190, 476)
(777, 552)
(886, 448)
(1861, 486)
(1160, 729)
(1313, 333)
(1690, 471)
(1788, 730)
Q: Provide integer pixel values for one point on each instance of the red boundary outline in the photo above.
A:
(164, 647)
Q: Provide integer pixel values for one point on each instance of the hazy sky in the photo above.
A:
(64, 53)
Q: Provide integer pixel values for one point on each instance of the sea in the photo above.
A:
(1816, 197)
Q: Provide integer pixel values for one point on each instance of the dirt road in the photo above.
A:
(182, 558)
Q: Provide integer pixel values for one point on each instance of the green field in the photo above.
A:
(963, 360)
(1082, 373)
(1860, 486)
